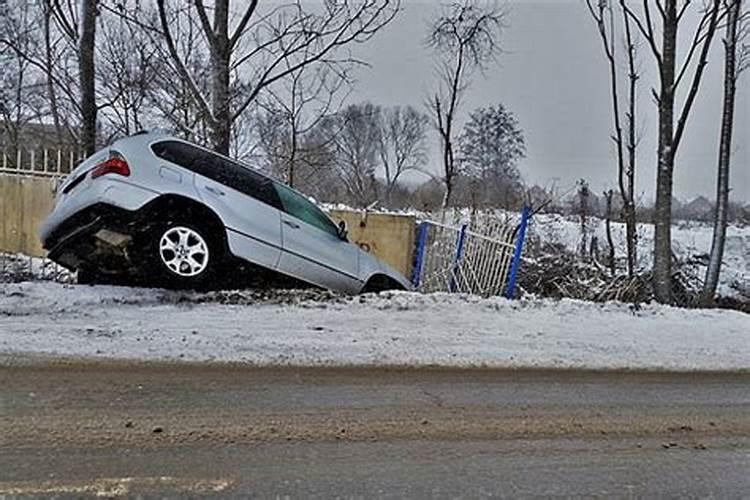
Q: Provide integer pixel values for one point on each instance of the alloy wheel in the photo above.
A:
(184, 251)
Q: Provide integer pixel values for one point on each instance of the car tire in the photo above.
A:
(380, 283)
(185, 255)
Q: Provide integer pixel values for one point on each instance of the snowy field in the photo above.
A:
(43, 319)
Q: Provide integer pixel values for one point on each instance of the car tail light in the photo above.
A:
(113, 165)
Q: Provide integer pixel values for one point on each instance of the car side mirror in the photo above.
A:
(343, 231)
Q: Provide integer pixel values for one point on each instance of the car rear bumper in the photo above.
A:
(94, 237)
(110, 192)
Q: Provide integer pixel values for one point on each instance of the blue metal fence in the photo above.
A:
(482, 259)
(516, 265)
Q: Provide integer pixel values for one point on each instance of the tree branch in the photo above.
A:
(702, 61)
(180, 65)
(243, 24)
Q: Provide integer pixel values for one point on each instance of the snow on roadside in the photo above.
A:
(399, 329)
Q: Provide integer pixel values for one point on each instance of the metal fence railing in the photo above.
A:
(44, 163)
(480, 259)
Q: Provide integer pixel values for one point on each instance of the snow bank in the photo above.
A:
(49, 319)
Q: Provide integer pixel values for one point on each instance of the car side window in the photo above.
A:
(194, 159)
(247, 182)
(219, 169)
(300, 207)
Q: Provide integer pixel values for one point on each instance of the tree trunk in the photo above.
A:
(221, 127)
(51, 96)
(449, 165)
(631, 229)
(608, 227)
(664, 176)
(86, 72)
(292, 156)
(725, 147)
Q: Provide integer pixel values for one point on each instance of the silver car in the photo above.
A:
(159, 209)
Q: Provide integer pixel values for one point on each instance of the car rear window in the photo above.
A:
(219, 169)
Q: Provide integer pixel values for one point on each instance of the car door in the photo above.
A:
(247, 203)
(312, 248)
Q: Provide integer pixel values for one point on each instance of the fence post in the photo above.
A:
(422, 232)
(516, 265)
(459, 254)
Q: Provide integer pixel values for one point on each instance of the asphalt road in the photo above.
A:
(176, 431)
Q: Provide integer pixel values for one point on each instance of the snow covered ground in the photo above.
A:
(400, 329)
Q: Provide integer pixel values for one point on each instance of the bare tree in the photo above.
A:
(47, 67)
(295, 107)
(60, 65)
(87, 75)
(627, 185)
(604, 15)
(315, 167)
(267, 46)
(354, 135)
(172, 97)
(671, 75)
(735, 60)
(126, 76)
(402, 145)
(14, 110)
(608, 231)
(67, 58)
(465, 39)
(582, 204)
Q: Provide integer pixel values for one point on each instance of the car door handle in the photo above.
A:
(291, 224)
(217, 192)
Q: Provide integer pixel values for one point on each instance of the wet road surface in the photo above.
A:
(111, 430)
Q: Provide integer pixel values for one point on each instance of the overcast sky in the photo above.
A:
(553, 76)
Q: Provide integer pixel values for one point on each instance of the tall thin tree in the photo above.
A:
(465, 38)
(734, 61)
(663, 47)
(604, 14)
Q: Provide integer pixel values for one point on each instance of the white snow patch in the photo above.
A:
(50, 319)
